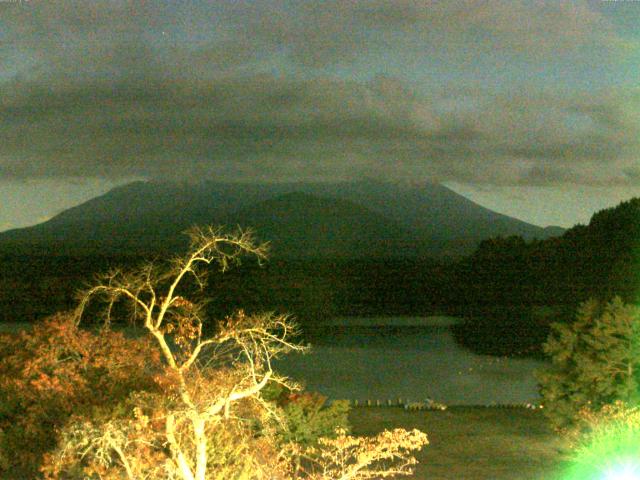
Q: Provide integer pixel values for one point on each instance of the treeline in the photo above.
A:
(598, 260)
(32, 287)
(516, 289)
(507, 289)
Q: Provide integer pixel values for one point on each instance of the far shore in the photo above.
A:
(381, 321)
(391, 321)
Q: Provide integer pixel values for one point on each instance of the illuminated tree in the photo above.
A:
(605, 444)
(56, 370)
(207, 416)
(387, 455)
(206, 382)
(595, 361)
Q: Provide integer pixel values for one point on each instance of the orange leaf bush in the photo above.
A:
(57, 370)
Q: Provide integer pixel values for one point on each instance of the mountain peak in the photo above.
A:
(417, 219)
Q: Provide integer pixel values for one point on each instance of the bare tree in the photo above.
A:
(200, 422)
(245, 345)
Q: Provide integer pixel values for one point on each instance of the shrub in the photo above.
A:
(57, 370)
(307, 416)
(595, 361)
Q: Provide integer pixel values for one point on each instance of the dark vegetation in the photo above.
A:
(526, 286)
(509, 290)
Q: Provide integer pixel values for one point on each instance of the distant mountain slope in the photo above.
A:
(303, 225)
(335, 218)
(134, 218)
(431, 208)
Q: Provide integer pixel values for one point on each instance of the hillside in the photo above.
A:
(301, 225)
(518, 288)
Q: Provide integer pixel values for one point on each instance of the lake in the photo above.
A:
(410, 358)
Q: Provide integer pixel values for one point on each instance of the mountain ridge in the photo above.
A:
(428, 219)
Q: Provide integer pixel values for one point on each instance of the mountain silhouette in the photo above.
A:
(342, 219)
(302, 225)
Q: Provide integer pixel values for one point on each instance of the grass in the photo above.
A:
(473, 443)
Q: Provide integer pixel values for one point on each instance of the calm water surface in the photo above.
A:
(409, 358)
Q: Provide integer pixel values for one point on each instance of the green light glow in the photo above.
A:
(612, 453)
(629, 470)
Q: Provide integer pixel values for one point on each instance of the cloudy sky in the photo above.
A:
(531, 108)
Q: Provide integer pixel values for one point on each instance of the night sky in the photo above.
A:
(529, 108)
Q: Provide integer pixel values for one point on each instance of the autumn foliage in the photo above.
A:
(387, 455)
(56, 371)
(174, 403)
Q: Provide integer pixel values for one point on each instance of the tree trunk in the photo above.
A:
(201, 447)
(176, 451)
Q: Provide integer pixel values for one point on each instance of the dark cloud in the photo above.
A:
(244, 90)
(319, 33)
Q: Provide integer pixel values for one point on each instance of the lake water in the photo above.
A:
(409, 358)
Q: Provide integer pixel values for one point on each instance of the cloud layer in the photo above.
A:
(316, 90)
